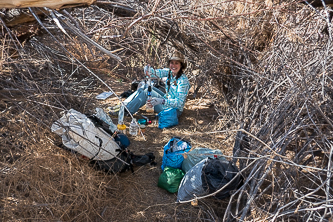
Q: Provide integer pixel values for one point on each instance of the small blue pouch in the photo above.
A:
(167, 118)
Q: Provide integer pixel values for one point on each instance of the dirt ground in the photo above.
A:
(42, 181)
(141, 199)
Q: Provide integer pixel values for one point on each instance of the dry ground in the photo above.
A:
(42, 181)
(270, 61)
(141, 199)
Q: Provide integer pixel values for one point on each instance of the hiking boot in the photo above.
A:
(115, 112)
(115, 108)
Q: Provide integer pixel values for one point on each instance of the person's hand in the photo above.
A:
(146, 70)
(156, 101)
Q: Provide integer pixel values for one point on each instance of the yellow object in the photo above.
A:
(122, 128)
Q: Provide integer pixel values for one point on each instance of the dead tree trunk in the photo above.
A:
(53, 4)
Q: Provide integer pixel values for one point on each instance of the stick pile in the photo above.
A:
(266, 65)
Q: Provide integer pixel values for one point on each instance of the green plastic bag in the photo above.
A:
(170, 179)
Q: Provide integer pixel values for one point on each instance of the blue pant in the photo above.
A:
(135, 101)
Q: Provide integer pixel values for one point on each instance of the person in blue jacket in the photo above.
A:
(177, 87)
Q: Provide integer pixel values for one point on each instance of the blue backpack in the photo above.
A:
(173, 150)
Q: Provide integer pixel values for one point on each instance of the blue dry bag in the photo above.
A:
(173, 150)
(167, 118)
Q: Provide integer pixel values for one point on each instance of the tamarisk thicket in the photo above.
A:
(263, 67)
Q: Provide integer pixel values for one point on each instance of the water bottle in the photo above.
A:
(100, 114)
(149, 107)
(121, 114)
(121, 126)
(133, 129)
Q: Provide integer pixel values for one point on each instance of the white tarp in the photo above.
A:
(79, 133)
(191, 185)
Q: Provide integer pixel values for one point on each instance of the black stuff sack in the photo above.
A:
(218, 173)
(140, 160)
(122, 140)
(121, 163)
(124, 161)
(126, 94)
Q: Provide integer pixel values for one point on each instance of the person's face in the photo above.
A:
(175, 66)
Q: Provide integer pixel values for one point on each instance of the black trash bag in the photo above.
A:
(217, 173)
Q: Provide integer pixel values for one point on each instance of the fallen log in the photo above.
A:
(11, 21)
(53, 4)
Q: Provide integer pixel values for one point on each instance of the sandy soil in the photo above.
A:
(42, 181)
(141, 199)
